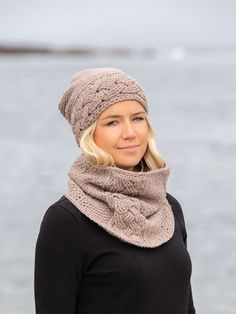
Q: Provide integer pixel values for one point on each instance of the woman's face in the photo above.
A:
(123, 124)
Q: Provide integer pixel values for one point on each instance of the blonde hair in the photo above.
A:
(151, 159)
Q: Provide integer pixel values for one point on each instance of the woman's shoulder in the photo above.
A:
(63, 210)
(173, 202)
(62, 217)
(61, 229)
(176, 207)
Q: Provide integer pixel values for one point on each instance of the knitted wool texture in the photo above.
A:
(91, 91)
(131, 206)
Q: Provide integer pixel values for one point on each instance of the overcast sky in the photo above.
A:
(139, 23)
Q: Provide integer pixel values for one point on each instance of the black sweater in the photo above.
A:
(82, 269)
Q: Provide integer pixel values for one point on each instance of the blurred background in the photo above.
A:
(183, 53)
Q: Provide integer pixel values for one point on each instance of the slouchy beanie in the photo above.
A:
(92, 91)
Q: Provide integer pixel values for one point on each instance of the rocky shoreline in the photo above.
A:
(80, 51)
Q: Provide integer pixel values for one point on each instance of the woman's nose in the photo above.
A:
(128, 130)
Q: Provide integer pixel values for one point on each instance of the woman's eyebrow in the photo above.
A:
(118, 116)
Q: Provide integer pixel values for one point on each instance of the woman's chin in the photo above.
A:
(129, 165)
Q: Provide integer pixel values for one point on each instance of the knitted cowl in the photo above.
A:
(131, 206)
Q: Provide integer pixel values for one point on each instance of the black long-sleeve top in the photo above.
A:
(82, 269)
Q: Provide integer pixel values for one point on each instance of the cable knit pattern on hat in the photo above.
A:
(131, 206)
(91, 91)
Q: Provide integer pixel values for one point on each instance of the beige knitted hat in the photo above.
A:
(91, 91)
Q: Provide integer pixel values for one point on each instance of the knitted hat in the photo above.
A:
(91, 91)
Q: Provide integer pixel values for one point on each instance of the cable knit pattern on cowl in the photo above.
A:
(131, 206)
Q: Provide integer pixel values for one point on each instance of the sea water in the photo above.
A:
(192, 106)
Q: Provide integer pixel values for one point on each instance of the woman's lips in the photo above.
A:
(130, 148)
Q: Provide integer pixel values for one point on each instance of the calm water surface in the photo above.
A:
(192, 104)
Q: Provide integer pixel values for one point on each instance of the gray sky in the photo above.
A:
(139, 23)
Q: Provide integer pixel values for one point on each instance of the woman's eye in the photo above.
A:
(139, 118)
(111, 123)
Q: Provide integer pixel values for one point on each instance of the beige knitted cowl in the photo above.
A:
(131, 206)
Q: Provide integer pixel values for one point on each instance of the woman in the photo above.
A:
(115, 242)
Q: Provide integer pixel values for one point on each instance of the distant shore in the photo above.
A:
(33, 49)
(175, 52)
